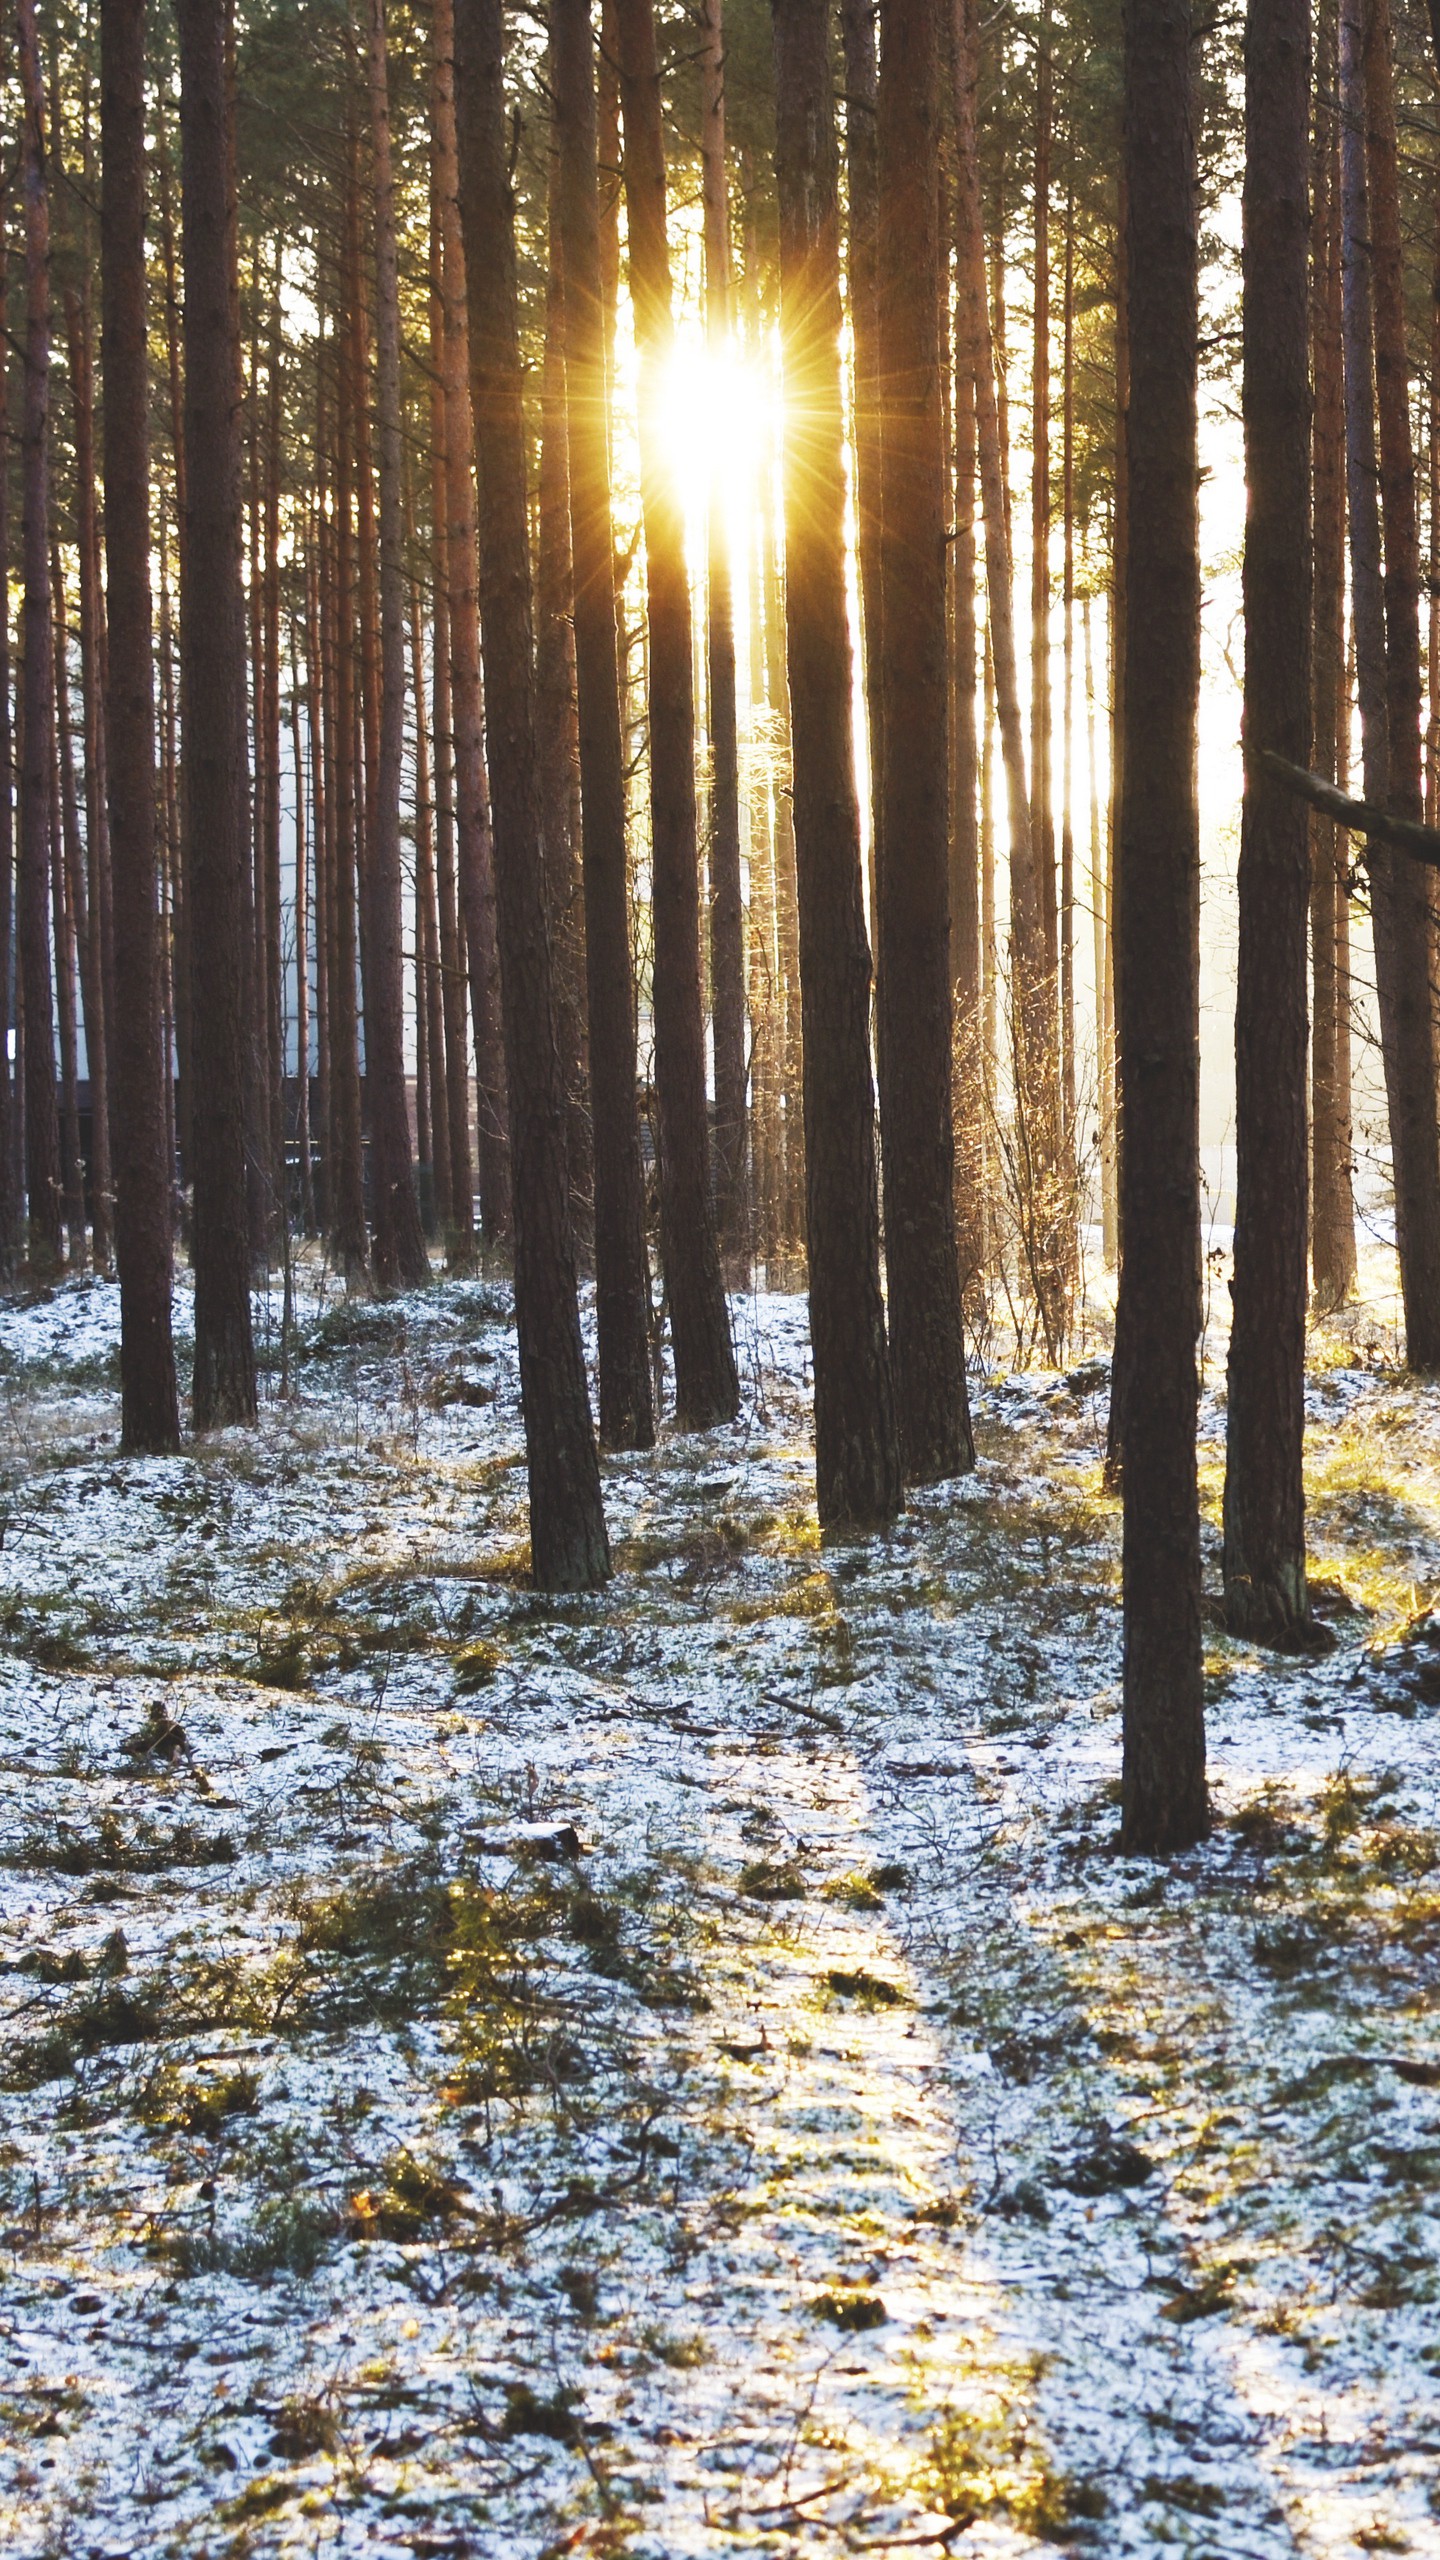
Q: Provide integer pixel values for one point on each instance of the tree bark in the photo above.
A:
(706, 1385)
(727, 912)
(212, 627)
(350, 1236)
(857, 31)
(97, 950)
(149, 1409)
(460, 1236)
(857, 1462)
(1332, 1223)
(7, 818)
(1164, 1798)
(400, 1256)
(927, 1341)
(622, 1284)
(475, 855)
(37, 765)
(569, 1550)
(1400, 902)
(1266, 1596)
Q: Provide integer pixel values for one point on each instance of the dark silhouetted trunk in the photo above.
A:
(569, 1549)
(622, 1287)
(212, 644)
(857, 30)
(857, 1463)
(97, 956)
(1400, 897)
(149, 1410)
(1264, 1560)
(7, 819)
(727, 914)
(1332, 1217)
(557, 733)
(37, 756)
(1157, 1007)
(475, 856)
(400, 1257)
(927, 1341)
(347, 1193)
(706, 1386)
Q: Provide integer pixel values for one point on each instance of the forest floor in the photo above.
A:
(687, 2071)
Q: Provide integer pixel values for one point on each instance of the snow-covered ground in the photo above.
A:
(831, 2146)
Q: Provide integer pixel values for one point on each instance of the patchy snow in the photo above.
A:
(685, 2071)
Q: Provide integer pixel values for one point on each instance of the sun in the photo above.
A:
(718, 418)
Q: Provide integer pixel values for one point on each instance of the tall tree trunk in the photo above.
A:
(429, 1011)
(1067, 708)
(347, 1184)
(1042, 813)
(7, 818)
(65, 863)
(622, 1286)
(1164, 1797)
(149, 1409)
(460, 1234)
(557, 734)
(1400, 901)
(71, 924)
(927, 1340)
(400, 1255)
(857, 31)
(1264, 1556)
(569, 1549)
(37, 767)
(97, 949)
(1332, 1205)
(980, 353)
(307, 833)
(706, 1385)
(475, 854)
(857, 1461)
(211, 633)
(727, 912)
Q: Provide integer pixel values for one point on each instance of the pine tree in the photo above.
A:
(149, 1410)
(569, 1550)
(857, 1460)
(212, 646)
(1157, 1007)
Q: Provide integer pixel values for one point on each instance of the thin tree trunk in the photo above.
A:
(727, 913)
(1332, 1205)
(557, 736)
(149, 1409)
(71, 924)
(212, 644)
(97, 942)
(400, 1254)
(307, 835)
(347, 1181)
(8, 1219)
(475, 854)
(1042, 814)
(857, 31)
(569, 1549)
(927, 1341)
(1164, 1796)
(429, 1012)
(706, 1385)
(1400, 901)
(981, 353)
(622, 1285)
(460, 1235)
(857, 1461)
(1266, 1596)
(1067, 709)
(37, 767)
(65, 863)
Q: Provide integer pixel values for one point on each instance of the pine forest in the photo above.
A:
(719, 1278)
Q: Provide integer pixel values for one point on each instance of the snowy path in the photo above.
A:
(843, 2152)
